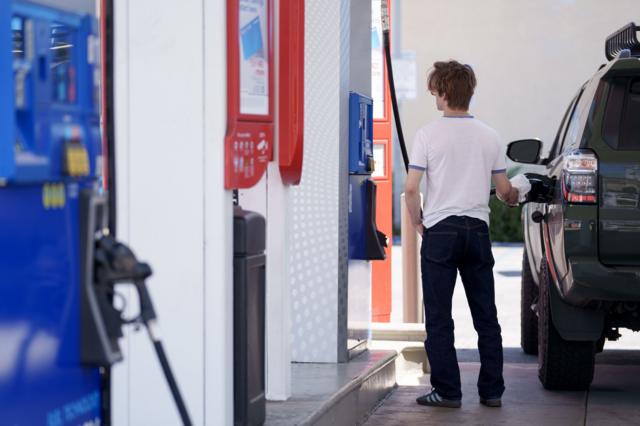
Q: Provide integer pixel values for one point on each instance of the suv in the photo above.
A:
(581, 263)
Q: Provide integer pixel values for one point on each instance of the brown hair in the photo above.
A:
(453, 81)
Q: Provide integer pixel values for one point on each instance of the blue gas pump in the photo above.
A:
(50, 167)
(59, 265)
(366, 242)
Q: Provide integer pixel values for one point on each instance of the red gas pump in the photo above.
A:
(249, 147)
(383, 147)
(250, 113)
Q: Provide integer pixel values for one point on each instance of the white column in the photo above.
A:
(173, 209)
(218, 226)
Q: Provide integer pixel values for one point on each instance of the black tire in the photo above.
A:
(562, 364)
(528, 318)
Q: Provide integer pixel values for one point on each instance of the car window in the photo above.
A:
(562, 133)
(621, 127)
(588, 128)
(561, 130)
(572, 126)
(580, 127)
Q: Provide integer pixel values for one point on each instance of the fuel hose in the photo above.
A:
(392, 86)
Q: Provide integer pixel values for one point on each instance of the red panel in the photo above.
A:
(381, 269)
(291, 91)
(249, 138)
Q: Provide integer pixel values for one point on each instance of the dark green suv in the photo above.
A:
(581, 264)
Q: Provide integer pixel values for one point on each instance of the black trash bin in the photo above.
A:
(249, 317)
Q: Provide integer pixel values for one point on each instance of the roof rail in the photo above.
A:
(623, 39)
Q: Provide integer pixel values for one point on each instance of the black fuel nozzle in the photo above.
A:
(542, 188)
(116, 263)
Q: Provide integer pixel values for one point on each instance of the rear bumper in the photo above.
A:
(589, 280)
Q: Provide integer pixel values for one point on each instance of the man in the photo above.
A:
(460, 156)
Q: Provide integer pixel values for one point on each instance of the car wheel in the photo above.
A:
(562, 364)
(528, 318)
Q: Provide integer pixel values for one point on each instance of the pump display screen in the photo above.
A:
(62, 68)
(254, 58)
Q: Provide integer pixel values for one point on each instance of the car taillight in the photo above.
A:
(580, 177)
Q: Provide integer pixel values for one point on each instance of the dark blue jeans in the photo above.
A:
(460, 243)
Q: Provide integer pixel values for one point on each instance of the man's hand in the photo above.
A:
(511, 199)
(504, 190)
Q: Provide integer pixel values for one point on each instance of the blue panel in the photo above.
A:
(49, 99)
(6, 99)
(360, 134)
(41, 380)
(364, 238)
(357, 216)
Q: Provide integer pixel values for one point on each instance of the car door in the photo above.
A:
(554, 226)
(533, 230)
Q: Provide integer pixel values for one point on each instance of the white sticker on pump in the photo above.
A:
(379, 157)
(254, 57)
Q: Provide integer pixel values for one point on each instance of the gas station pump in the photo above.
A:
(366, 242)
(59, 327)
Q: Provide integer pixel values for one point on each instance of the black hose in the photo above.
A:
(109, 112)
(394, 100)
(108, 116)
(171, 381)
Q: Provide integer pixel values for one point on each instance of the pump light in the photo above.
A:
(580, 177)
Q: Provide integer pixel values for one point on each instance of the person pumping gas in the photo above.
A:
(460, 156)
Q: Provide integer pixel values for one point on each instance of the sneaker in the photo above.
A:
(433, 399)
(491, 402)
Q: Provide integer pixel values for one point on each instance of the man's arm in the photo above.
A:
(504, 190)
(412, 197)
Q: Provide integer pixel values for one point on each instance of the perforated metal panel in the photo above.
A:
(315, 232)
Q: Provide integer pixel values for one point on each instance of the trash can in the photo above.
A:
(249, 317)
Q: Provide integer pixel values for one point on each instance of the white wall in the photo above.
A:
(171, 118)
(530, 57)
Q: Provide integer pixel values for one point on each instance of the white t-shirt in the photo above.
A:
(459, 155)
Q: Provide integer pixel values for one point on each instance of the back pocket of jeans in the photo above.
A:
(484, 246)
(438, 246)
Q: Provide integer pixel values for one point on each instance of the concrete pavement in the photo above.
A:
(612, 400)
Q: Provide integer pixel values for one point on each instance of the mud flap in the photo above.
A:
(574, 323)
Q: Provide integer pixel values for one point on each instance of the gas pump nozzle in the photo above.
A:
(115, 263)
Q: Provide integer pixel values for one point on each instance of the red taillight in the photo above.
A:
(580, 177)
